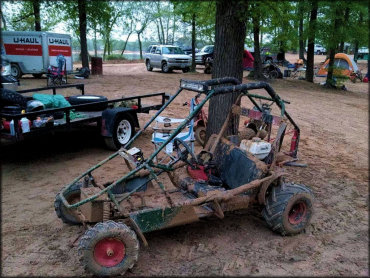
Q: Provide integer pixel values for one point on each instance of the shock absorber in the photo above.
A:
(106, 211)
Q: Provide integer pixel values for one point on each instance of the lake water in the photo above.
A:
(128, 56)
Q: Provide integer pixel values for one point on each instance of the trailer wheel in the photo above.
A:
(68, 216)
(109, 248)
(123, 131)
(288, 208)
(16, 71)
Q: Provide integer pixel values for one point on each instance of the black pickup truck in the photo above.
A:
(116, 118)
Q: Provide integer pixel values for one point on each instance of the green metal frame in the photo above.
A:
(148, 163)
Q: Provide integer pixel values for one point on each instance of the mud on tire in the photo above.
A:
(72, 195)
(289, 208)
(109, 248)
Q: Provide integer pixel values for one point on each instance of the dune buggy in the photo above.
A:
(221, 177)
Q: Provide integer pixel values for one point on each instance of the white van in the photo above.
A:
(32, 51)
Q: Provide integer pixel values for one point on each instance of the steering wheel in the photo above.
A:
(182, 153)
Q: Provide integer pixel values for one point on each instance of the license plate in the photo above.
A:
(183, 66)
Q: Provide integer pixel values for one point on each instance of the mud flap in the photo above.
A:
(161, 218)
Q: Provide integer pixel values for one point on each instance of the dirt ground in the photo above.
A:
(334, 144)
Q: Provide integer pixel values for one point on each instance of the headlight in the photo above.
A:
(171, 60)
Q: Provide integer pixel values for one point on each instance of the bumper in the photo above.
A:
(178, 65)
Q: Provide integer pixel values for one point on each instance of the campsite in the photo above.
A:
(130, 229)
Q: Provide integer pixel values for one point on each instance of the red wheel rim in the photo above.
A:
(109, 252)
(297, 213)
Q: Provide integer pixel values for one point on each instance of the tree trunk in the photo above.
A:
(257, 64)
(124, 46)
(230, 31)
(301, 41)
(345, 21)
(82, 23)
(3, 21)
(108, 46)
(173, 29)
(36, 11)
(356, 41)
(95, 43)
(140, 46)
(159, 34)
(193, 38)
(311, 42)
(329, 79)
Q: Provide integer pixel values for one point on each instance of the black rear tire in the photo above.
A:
(289, 208)
(72, 195)
(84, 99)
(116, 238)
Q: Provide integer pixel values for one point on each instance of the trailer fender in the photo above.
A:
(109, 117)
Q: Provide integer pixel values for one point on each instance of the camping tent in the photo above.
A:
(343, 65)
(248, 60)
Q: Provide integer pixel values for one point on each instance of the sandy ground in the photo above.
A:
(334, 144)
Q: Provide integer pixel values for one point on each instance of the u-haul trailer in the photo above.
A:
(32, 51)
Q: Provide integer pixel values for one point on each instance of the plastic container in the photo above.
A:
(256, 146)
(25, 123)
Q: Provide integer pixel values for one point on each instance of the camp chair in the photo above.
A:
(163, 129)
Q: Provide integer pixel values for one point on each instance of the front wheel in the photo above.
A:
(289, 208)
(123, 131)
(165, 68)
(72, 195)
(109, 248)
(148, 66)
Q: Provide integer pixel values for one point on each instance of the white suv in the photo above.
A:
(167, 58)
(318, 49)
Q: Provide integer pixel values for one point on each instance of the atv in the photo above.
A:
(226, 175)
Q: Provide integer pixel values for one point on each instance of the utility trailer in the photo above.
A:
(117, 124)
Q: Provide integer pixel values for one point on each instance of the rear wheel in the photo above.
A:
(72, 195)
(109, 248)
(289, 208)
(16, 71)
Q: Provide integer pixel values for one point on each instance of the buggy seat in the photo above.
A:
(235, 167)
